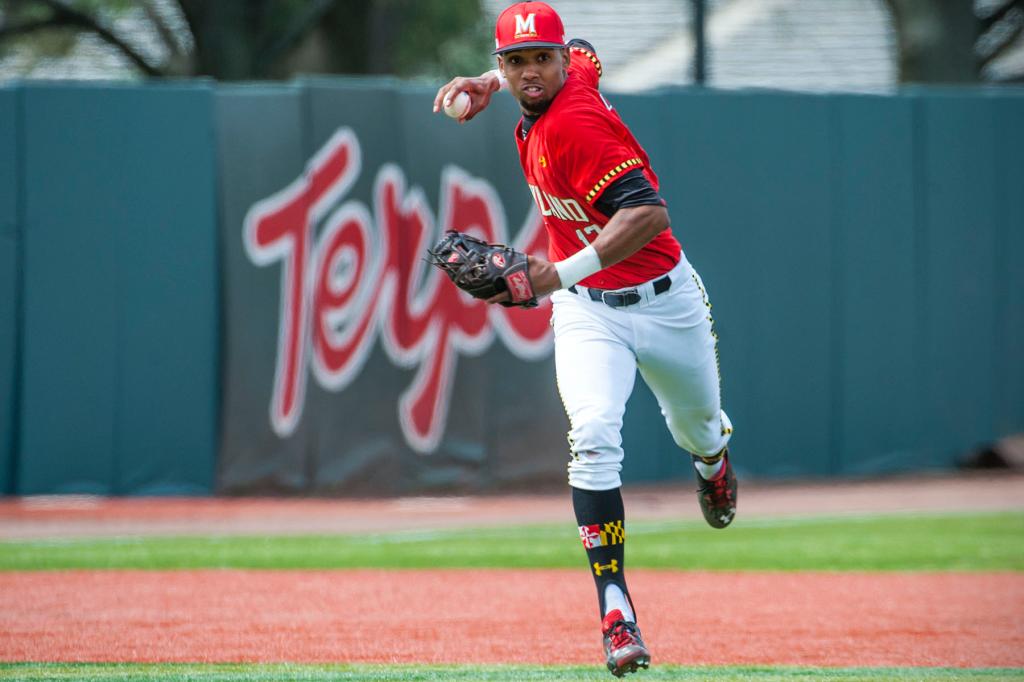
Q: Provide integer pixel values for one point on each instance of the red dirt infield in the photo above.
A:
(503, 616)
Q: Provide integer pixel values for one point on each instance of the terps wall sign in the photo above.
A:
(351, 274)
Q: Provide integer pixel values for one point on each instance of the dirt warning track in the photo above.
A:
(86, 516)
(497, 616)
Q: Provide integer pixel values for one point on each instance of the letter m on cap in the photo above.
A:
(526, 26)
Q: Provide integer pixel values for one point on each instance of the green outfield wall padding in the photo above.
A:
(814, 220)
(225, 288)
(121, 290)
(1008, 325)
(9, 278)
(875, 262)
(958, 237)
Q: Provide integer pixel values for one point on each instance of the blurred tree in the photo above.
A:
(953, 41)
(257, 39)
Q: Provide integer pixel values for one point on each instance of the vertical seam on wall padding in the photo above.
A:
(920, 221)
(836, 344)
(219, 276)
(309, 464)
(116, 481)
(14, 464)
(1000, 263)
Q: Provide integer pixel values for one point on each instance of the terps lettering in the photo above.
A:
(364, 277)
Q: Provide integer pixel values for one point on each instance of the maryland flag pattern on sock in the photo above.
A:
(602, 534)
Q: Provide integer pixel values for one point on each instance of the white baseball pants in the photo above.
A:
(598, 349)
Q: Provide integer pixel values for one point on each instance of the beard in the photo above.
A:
(534, 108)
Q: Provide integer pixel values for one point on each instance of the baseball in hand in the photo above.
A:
(457, 106)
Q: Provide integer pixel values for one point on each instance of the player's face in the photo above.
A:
(535, 76)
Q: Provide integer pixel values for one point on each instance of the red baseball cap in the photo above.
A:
(526, 25)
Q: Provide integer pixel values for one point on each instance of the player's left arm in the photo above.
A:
(638, 217)
(628, 231)
(637, 213)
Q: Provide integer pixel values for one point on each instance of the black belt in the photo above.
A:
(623, 297)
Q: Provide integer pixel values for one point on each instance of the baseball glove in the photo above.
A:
(484, 270)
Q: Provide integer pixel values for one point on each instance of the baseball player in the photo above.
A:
(624, 297)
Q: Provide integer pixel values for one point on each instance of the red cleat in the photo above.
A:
(718, 497)
(623, 647)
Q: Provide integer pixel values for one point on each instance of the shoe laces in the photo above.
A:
(622, 634)
(717, 488)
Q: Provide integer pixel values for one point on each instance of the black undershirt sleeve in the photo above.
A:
(632, 189)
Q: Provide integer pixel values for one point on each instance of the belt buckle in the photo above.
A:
(620, 299)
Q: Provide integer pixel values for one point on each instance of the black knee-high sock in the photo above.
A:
(602, 522)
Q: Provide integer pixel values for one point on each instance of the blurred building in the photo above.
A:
(787, 44)
(808, 45)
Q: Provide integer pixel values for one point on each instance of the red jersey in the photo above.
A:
(571, 154)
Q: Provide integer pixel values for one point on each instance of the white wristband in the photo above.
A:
(579, 265)
(502, 81)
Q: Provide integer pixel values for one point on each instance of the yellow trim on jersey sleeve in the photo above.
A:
(624, 166)
(589, 55)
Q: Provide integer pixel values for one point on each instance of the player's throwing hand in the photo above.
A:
(479, 90)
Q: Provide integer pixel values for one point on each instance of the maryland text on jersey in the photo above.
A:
(554, 207)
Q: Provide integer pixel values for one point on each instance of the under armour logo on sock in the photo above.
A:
(612, 566)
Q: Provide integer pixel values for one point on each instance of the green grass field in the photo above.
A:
(373, 673)
(978, 542)
(924, 542)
